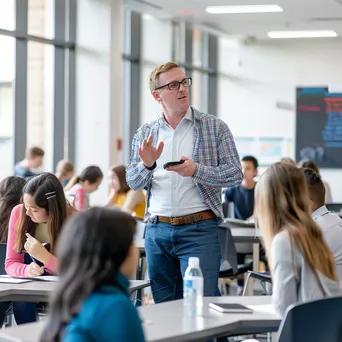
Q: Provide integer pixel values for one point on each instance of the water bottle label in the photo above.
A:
(195, 284)
(188, 283)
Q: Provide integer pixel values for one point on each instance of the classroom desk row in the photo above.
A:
(39, 291)
(166, 322)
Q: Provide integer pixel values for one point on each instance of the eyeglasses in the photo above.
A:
(176, 84)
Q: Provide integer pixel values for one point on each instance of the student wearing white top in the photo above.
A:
(330, 223)
(301, 264)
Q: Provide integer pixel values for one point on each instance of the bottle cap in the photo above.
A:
(194, 262)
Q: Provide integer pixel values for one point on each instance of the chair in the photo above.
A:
(9, 312)
(3, 247)
(140, 229)
(229, 267)
(335, 207)
(264, 277)
(319, 320)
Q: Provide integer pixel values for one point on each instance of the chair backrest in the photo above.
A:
(319, 320)
(336, 207)
(140, 229)
(3, 247)
(228, 251)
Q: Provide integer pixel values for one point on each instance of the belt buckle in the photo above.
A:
(173, 222)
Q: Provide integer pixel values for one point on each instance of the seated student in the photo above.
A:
(330, 223)
(312, 165)
(302, 266)
(33, 160)
(64, 171)
(288, 160)
(10, 195)
(122, 195)
(243, 199)
(80, 187)
(243, 195)
(96, 256)
(38, 220)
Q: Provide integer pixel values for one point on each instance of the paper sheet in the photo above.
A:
(8, 280)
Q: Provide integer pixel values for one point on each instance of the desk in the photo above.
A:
(39, 291)
(165, 322)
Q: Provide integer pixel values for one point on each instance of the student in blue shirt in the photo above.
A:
(96, 256)
(243, 195)
(243, 199)
(29, 166)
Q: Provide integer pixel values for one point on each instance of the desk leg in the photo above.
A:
(256, 251)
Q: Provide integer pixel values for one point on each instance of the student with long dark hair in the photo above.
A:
(96, 256)
(10, 194)
(81, 186)
(11, 189)
(38, 220)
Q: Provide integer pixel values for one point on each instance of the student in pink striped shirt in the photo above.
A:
(80, 187)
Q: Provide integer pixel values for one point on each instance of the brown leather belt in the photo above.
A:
(186, 219)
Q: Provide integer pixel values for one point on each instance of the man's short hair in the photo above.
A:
(252, 160)
(33, 152)
(160, 69)
(315, 186)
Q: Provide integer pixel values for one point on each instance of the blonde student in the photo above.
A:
(64, 171)
(302, 266)
(91, 303)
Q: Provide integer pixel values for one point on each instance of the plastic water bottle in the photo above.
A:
(193, 288)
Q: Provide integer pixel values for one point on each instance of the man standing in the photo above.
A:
(183, 201)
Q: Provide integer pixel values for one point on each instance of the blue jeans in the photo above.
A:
(168, 248)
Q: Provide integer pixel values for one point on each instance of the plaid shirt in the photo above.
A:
(214, 152)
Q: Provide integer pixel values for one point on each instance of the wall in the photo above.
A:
(258, 76)
(98, 87)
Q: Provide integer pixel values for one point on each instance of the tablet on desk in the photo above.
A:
(232, 308)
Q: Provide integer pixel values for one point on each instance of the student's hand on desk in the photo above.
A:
(148, 153)
(36, 249)
(34, 270)
(187, 169)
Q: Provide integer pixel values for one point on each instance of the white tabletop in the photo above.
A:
(165, 322)
(211, 323)
(39, 291)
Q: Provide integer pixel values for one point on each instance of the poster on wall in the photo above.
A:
(271, 150)
(319, 126)
(246, 146)
(267, 150)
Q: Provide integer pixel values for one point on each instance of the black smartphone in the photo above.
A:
(173, 163)
(231, 307)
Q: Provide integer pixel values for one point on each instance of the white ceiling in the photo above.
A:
(297, 14)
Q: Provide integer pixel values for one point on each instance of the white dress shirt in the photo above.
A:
(171, 194)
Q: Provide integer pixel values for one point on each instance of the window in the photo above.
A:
(41, 18)
(6, 105)
(7, 14)
(40, 86)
